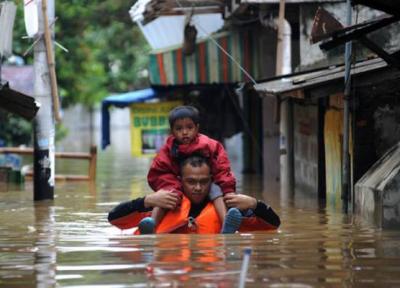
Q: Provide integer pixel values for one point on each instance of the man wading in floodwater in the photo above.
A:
(194, 213)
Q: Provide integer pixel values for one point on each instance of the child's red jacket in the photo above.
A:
(164, 170)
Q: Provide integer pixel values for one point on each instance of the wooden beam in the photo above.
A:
(60, 177)
(390, 59)
(29, 151)
(92, 157)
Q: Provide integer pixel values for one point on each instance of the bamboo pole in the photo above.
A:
(50, 62)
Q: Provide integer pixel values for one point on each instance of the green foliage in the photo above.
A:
(106, 49)
(106, 53)
(61, 132)
(14, 130)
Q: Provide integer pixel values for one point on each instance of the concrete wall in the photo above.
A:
(386, 127)
(377, 121)
(306, 149)
(312, 56)
(271, 149)
(377, 193)
(77, 120)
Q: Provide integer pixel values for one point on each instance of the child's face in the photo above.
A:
(185, 130)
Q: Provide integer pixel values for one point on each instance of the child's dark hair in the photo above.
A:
(181, 112)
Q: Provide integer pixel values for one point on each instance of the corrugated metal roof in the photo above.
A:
(289, 83)
(167, 31)
(208, 64)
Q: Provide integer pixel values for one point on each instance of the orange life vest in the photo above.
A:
(177, 221)
(207, 222)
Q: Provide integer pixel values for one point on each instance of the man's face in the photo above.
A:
(196, 182)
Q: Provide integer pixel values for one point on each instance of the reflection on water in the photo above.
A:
(69, 243)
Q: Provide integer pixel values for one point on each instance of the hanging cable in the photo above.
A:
(246, 126)
(222, 49)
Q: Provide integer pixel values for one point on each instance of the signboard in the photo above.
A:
(149, 126)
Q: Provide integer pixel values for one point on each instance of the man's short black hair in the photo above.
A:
(184, 111)
(194, 161)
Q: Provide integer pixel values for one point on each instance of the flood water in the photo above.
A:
(69, 243)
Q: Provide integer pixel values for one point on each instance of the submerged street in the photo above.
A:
(303, 96)
(69, 243)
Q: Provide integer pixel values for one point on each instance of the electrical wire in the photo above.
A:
(221, 48)
(238, 110)
(246, 126)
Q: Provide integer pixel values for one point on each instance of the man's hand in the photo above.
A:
(162, 198)
(240, 201)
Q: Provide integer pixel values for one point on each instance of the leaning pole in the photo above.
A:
(346, 188)
(44, 124)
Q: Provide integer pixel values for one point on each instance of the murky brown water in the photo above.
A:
(69, 243)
